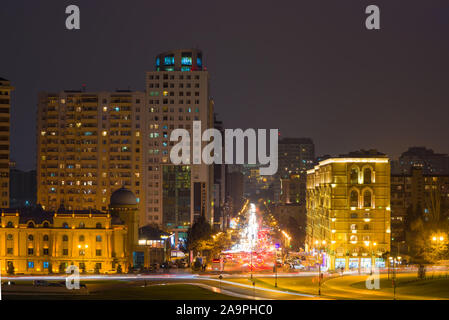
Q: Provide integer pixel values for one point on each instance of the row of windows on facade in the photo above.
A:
(46, 237)
(172, 101)
(166, 76)
(355, 176)
(172, 118)
(46, 264)
(355, 199)
(46, 224)
(46, 252)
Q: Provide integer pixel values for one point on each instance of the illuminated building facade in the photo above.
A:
(348, 210)
(88, 145)
(178, 94)
(35, 241)
(5, 105)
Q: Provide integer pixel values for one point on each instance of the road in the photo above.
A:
(297, 286)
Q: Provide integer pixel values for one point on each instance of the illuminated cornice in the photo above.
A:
(348, 160)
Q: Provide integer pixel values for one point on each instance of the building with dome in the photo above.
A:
(36, 241)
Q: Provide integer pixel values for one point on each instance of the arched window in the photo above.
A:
(46, 237)
(45, 225)
(367, 175)
(30, 225)
(367, 199)
(98, 226)
(81, 239)
(366, 227)
(9, 237)
(82, 225)
(65, 225)
(30, 237)
(9, 225)
(354, 199)
(353, 226)
(353, 238)
(65, 238)
(98, 238)
(354, 176)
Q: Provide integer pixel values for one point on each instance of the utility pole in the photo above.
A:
(251, 263)
(394, 279)
(275, 269)
(319, 279)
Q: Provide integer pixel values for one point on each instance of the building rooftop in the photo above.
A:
(38, 215)
(372, 153)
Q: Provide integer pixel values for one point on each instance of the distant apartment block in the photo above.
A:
(5, 106)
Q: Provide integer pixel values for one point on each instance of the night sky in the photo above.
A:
(309, 68)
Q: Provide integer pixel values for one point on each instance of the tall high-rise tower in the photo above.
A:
(178, 94)
(5, 105)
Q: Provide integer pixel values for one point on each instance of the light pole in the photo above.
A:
(251, 263)
(275, 268)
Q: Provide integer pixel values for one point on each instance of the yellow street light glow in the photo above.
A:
(333, 219)
(388, 231)
(323, 242)
(367, 219)
(333, 230)
(316, 241)
(441, 238)
(434, 239)
(374, 244)
(333, 241)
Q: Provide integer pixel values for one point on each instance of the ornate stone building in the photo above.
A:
(35, 241)
(348, 210)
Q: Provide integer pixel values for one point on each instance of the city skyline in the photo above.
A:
(336, 80)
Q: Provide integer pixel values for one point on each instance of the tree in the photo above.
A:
(426, 230)
(198, 235)
(119, 269)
